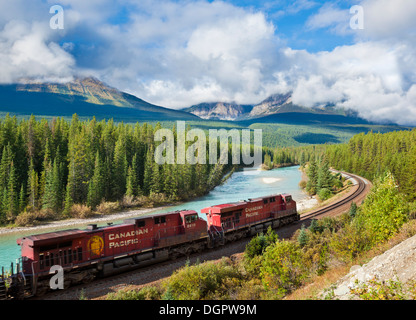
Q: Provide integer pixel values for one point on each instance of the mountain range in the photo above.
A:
(87, 97)
(90, 97)
(276, 108)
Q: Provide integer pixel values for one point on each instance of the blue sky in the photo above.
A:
(177, 53)
(290, 19)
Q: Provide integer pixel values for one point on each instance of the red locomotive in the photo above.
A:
(102, 251)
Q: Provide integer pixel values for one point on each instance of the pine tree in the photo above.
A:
(69, 201)
(13, 199)
(303, 237)
(324, 176)
(33, 187)
(96, 190)
(169, 184)
(52, 197)
(130, 184)
(155, 186)
(22, 199)
(120, 168)
(312, 172)
(148, 171)
(80, 166)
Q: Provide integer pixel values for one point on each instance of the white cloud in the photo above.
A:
(332, 17)
(26, 52)
(179, 53)
(389, 19)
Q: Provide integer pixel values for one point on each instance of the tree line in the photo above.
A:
(56, 164)
(369, 155)
(373, 154)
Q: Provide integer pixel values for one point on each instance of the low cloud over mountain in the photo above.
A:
(182, 53)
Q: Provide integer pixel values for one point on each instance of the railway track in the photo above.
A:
(147, 275)
(356, 194)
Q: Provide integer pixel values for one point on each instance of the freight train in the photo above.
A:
(84, 255)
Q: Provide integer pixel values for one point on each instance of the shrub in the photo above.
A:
(324, 194)
(31, 218)
(108, 207)
(258, 244)
(146, 293)
(385, 209)
(385, 290)
(129, 202)
(303, 236)
(349, 242)
(353, 210)
(283, 269)
(202, 281)
(25, 219)
(315, 227)
(158, 198)
(80, 211)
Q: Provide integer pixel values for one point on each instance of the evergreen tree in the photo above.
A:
(22, 199)
(96, 190)
(303, 237)
(52, 197)
(33, 187)
(120, 168)
(312, 173)
(148, 171)
(13, 199)
(324, 176)
(130, 184)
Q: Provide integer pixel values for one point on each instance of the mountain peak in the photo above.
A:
(86, 96)
(93, 90)
(219, 110)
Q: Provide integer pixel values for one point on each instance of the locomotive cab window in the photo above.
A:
(140, 223)
(159, 220)
(190, 219)
(266, 201)
(288, 199)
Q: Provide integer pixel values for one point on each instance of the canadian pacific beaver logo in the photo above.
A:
(96, 245)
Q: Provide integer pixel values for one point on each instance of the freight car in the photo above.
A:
(102, 251)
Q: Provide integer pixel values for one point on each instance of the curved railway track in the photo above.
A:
(150, 274)
(356, 194)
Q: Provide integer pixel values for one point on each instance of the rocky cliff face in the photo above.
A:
(219, 110)
(396, 264)
(93, 90)
(272, 105)
(275, 104)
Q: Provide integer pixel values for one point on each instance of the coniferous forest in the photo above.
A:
(51, 167)
(368, 155)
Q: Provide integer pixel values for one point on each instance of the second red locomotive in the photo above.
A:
(102, 251)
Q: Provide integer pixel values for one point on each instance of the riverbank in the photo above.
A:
(80, 222)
